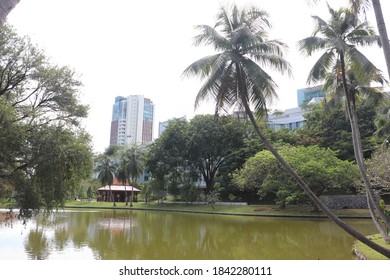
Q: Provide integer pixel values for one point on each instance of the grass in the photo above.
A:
(260, 210)
(368, 252)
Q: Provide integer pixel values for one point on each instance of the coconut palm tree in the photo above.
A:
(236, 76)
(132, 164)
(362, 6)
(106, 173)
(122, 177)
(6, 6)
(350, 73)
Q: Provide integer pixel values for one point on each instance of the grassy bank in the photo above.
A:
(260, 210)
(367, 252)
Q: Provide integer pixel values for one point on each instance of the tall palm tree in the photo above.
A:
(122, 177)
(363, 5)
(132, 163)
(106, 169)
(350, 72)
(236, 77)
(358, 5)
(6, 6)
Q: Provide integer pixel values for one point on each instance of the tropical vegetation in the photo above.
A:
(345, 70)
(44, 152)
(46, 156)
(235, 76)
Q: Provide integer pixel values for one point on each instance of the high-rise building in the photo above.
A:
(163, 125)
(132, 120)
(305, 95)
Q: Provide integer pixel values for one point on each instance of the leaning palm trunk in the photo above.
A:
(6, 6)
(309, 192)
(302, 184)
(372, 203)
(382, 32)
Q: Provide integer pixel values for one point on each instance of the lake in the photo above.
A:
(150, 235)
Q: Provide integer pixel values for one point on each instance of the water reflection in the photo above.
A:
(155, 235)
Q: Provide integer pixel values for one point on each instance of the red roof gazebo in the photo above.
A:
(119, 192)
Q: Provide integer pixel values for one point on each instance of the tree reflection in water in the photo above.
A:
(146, 235)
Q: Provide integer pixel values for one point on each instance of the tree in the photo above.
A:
(211, 142)
(168, 159)
(331, 129)
(358, 6)
(345, 69)
(45, 154)
(382, 122)
(188, 151)
(378, 167)
(234, 78)
(106, 169)
(319, 167)
(6, 6)
(33, 93)
(132, 166)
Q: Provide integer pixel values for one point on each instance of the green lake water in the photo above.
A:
(149, 235)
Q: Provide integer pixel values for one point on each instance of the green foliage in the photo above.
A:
(44, 154)
(331, 129)
(187, 151)
(320, 168)
(378, 167)
(212, 140)
(60, 161)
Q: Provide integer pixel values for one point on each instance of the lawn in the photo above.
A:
(261, 210)
(368, 252)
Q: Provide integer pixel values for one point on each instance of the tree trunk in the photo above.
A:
(112, 196)
(380, 22)
(309, 192)
(6, 6)
(373, 205)
(126, 200)
(131, 197)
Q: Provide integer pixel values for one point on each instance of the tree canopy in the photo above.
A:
(319, 167)
(45, 153)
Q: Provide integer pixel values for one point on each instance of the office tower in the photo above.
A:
(305, 95)
(132, 120)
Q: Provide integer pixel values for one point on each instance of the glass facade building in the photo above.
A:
(132, 120)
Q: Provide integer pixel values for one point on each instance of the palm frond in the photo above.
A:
(201, 67)
(322, 27)
(312, 44)
(321, 67)
(212, 85)
(210, 37)
(364, 70)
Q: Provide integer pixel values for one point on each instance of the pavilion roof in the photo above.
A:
(118, 188)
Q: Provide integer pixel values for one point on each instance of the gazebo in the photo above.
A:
(119, 192)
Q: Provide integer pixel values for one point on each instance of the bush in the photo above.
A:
(319, 168)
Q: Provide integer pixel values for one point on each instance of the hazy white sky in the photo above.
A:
(128, 47)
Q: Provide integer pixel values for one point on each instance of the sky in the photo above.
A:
(141, 47)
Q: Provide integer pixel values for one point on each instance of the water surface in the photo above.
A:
(149, 235)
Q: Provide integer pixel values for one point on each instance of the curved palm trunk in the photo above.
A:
(6, 6)
(309, 192)
(373, 204)
(382, 32)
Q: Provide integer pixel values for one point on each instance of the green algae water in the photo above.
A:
(149, 235)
